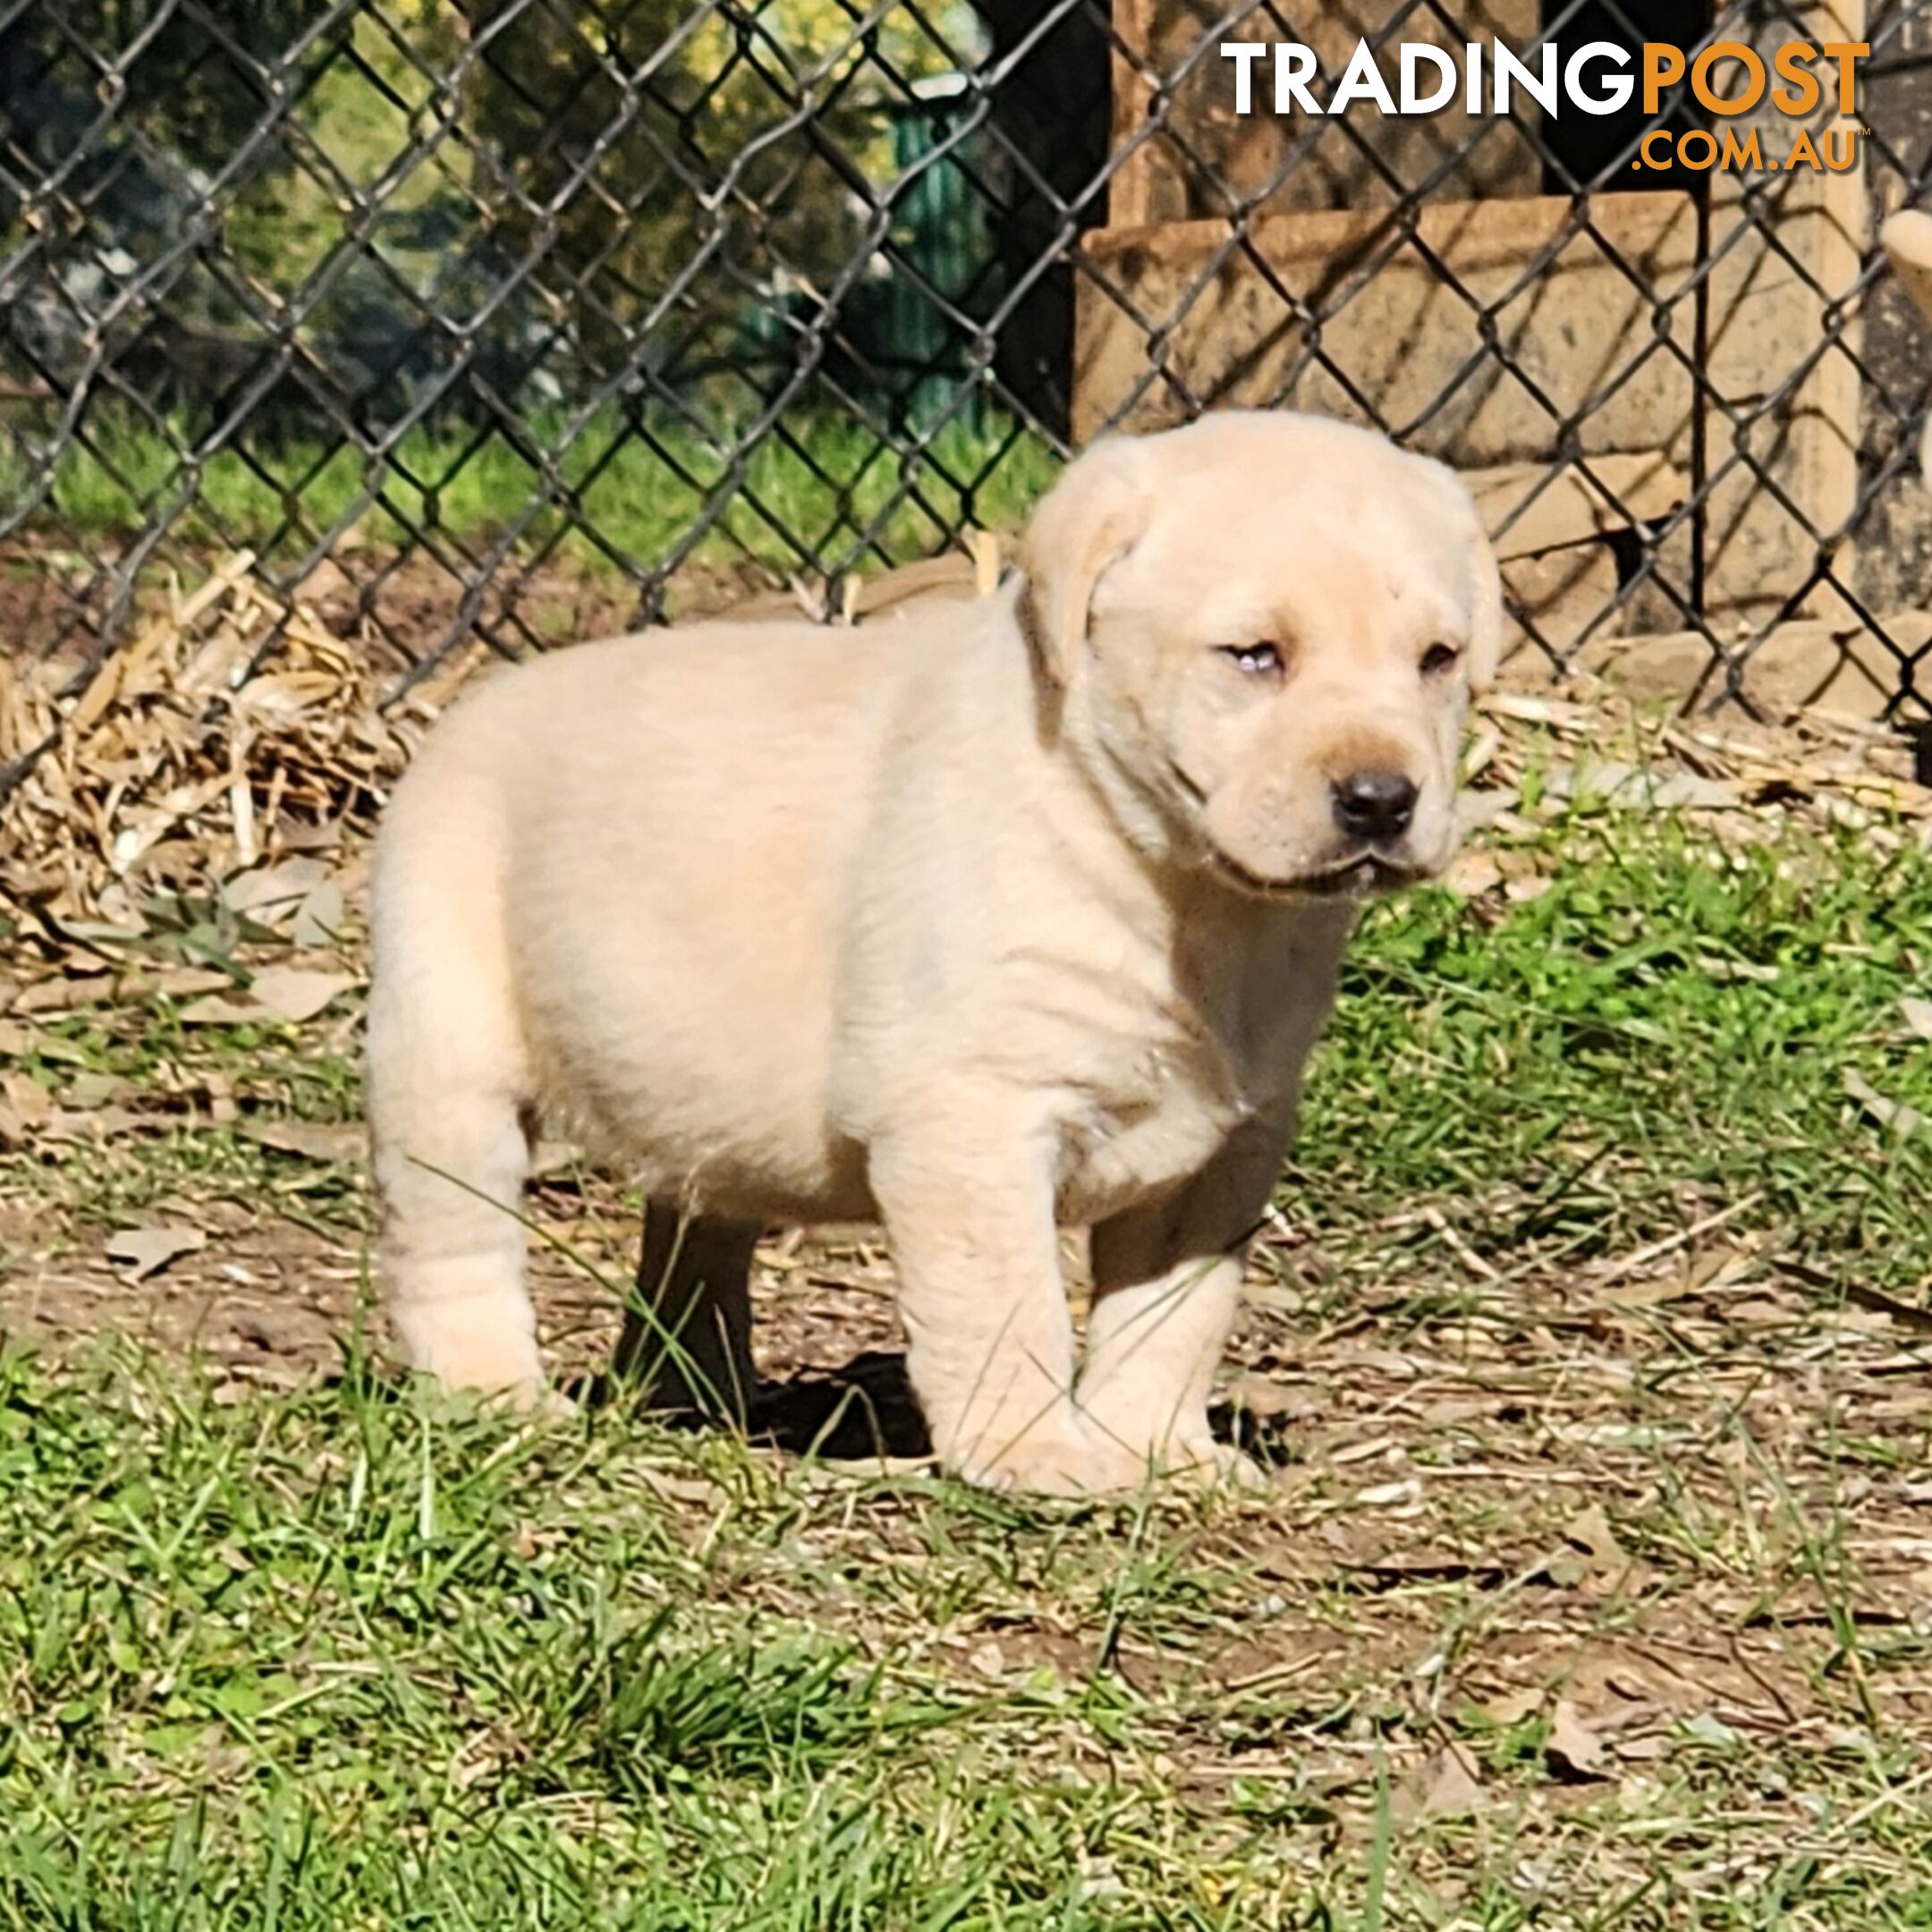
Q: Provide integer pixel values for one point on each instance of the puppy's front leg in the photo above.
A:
(1166, 1288)
(990, 1352)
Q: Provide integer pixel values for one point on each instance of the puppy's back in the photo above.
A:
(661, 838)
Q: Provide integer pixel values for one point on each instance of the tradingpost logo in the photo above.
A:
(1727, 79)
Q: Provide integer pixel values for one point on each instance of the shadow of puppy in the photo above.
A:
(867, 1409)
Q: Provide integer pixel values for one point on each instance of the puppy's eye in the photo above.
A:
(1258, 660)
(1439, 659)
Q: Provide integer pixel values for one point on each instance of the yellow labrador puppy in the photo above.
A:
(999, 917)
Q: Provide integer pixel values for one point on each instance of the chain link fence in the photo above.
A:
(526, 319)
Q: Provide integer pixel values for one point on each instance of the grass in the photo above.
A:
(340, 1655)
(619, 490)
(329, 1657)
(334, 1658)
(1672, 1019)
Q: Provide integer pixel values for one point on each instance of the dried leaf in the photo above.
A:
(184, 982)
(316, 1140)
(1590, 1531)
(29, 1102)
(1388, 1495)
(1686, 792)
(1527, 710)
(62, 995)
(25, 1107)
(217, 1010)
(106, 934)
(1258, 1396)
(143, 1252)
(1571, 1746)
(294, 993)
(1448, 1785)
(1644, 1294)
(1491, 805)
(87, 1090)
(1511, 1706)
(1597, 781)
(273, 893)
(1893, 1115)
(1482, 753)
(277, 993)
(320, 920)
(312, 838)
(100, 1123)
(1472, 874)
(1918, 1015)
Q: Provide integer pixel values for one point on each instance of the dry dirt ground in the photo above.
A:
(1659, 1516)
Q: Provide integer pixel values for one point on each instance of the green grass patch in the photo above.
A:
(336, 1657)
(343, 1656)
(818, 490)
(1665, 1031)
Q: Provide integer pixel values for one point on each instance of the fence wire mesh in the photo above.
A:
(525, 318)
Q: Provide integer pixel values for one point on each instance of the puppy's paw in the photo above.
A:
(528, 1398)
(1056, 1459)
(1205, 1465)
(1191, 1459)
(542, 1404)
(479, 1357)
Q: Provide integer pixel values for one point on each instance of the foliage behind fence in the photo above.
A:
(468, 296)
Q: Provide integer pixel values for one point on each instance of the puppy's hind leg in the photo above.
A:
(446, 1084)
(687, 1334)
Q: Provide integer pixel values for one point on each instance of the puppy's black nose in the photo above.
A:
(1375, 804)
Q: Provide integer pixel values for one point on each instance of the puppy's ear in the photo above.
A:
(1086, 523)
(1488, 620)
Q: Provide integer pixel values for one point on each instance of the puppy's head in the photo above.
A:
(1265, 629)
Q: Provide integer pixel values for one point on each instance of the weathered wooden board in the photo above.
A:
(1551, 531)
(1806, 666)
(1529, 509)
(1357, 316)
(1201, 158)
(1787, 254)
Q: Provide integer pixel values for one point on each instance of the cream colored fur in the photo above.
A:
(987, 917)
